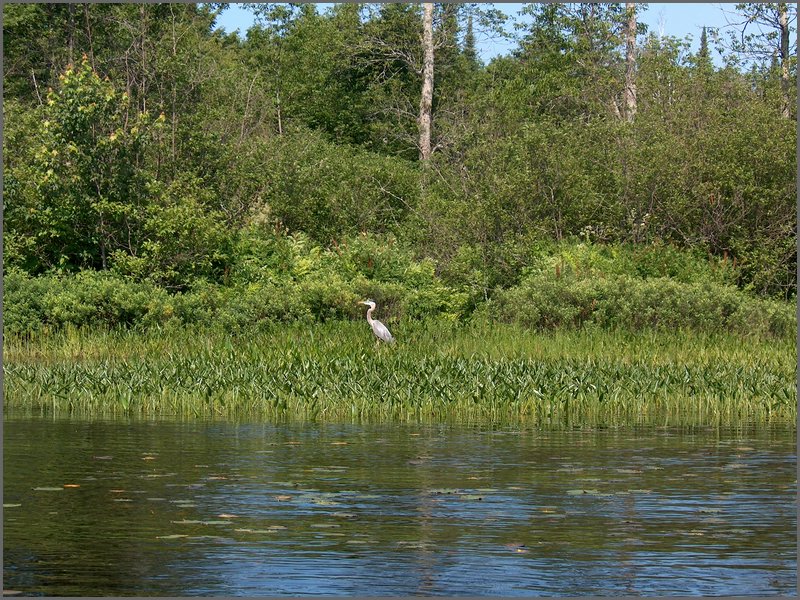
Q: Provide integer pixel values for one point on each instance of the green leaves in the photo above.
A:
(437, 373)
(79, 193)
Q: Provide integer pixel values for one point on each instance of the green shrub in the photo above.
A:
(87, 298)
(261, 252)
(185, 241)
(547, 301)
(22, 301)
(330, 191)
(260, 305)
(645, 261)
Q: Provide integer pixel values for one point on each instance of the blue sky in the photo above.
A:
(675, 19)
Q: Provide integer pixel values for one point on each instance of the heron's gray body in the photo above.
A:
(378, 328)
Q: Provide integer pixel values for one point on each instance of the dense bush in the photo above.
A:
(283, 278)
(87, 298)
(552, 300)
(185, 239)
(331, 191)
(645, 261)
(277, 278)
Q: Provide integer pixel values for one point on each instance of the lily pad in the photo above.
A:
(215, 522)
(187, 522)
(438, 491)
(415, 545)
(271, 529)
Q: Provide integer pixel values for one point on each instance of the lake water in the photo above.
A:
(127, 507)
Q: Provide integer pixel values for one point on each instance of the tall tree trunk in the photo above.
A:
(783, 19)
(174, 87)
(142, 85)
(71, 34)
(88, 25)
(426, 102)
(630, 62)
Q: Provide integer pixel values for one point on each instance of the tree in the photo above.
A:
(80, 196)
(630, 61)
(426, 100)
(470, 51)
(703, 53)
(761, 32)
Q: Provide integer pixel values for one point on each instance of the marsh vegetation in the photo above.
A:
(436, 372)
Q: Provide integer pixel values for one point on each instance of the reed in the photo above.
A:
(437, 372)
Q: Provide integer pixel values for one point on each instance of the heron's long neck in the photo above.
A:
(369, 315)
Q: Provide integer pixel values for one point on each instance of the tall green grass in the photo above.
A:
(437, 372)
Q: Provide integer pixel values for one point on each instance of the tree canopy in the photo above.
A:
(141, 140)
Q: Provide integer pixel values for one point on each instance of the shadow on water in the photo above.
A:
(123, 507)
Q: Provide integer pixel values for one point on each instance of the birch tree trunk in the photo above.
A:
(630, 62)
(426, 102)
(783, 20)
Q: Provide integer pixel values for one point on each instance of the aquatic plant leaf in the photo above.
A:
(187, 522)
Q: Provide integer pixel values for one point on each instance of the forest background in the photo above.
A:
(158, 170)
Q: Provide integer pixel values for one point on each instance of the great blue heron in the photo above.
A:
(378, 328)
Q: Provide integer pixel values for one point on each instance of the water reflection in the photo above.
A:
(165, 508)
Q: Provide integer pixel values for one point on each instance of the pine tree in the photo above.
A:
(703, 53)
(470, 52)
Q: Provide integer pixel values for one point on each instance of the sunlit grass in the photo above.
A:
(436, 372)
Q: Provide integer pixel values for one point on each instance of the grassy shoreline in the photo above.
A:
(437, 372)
